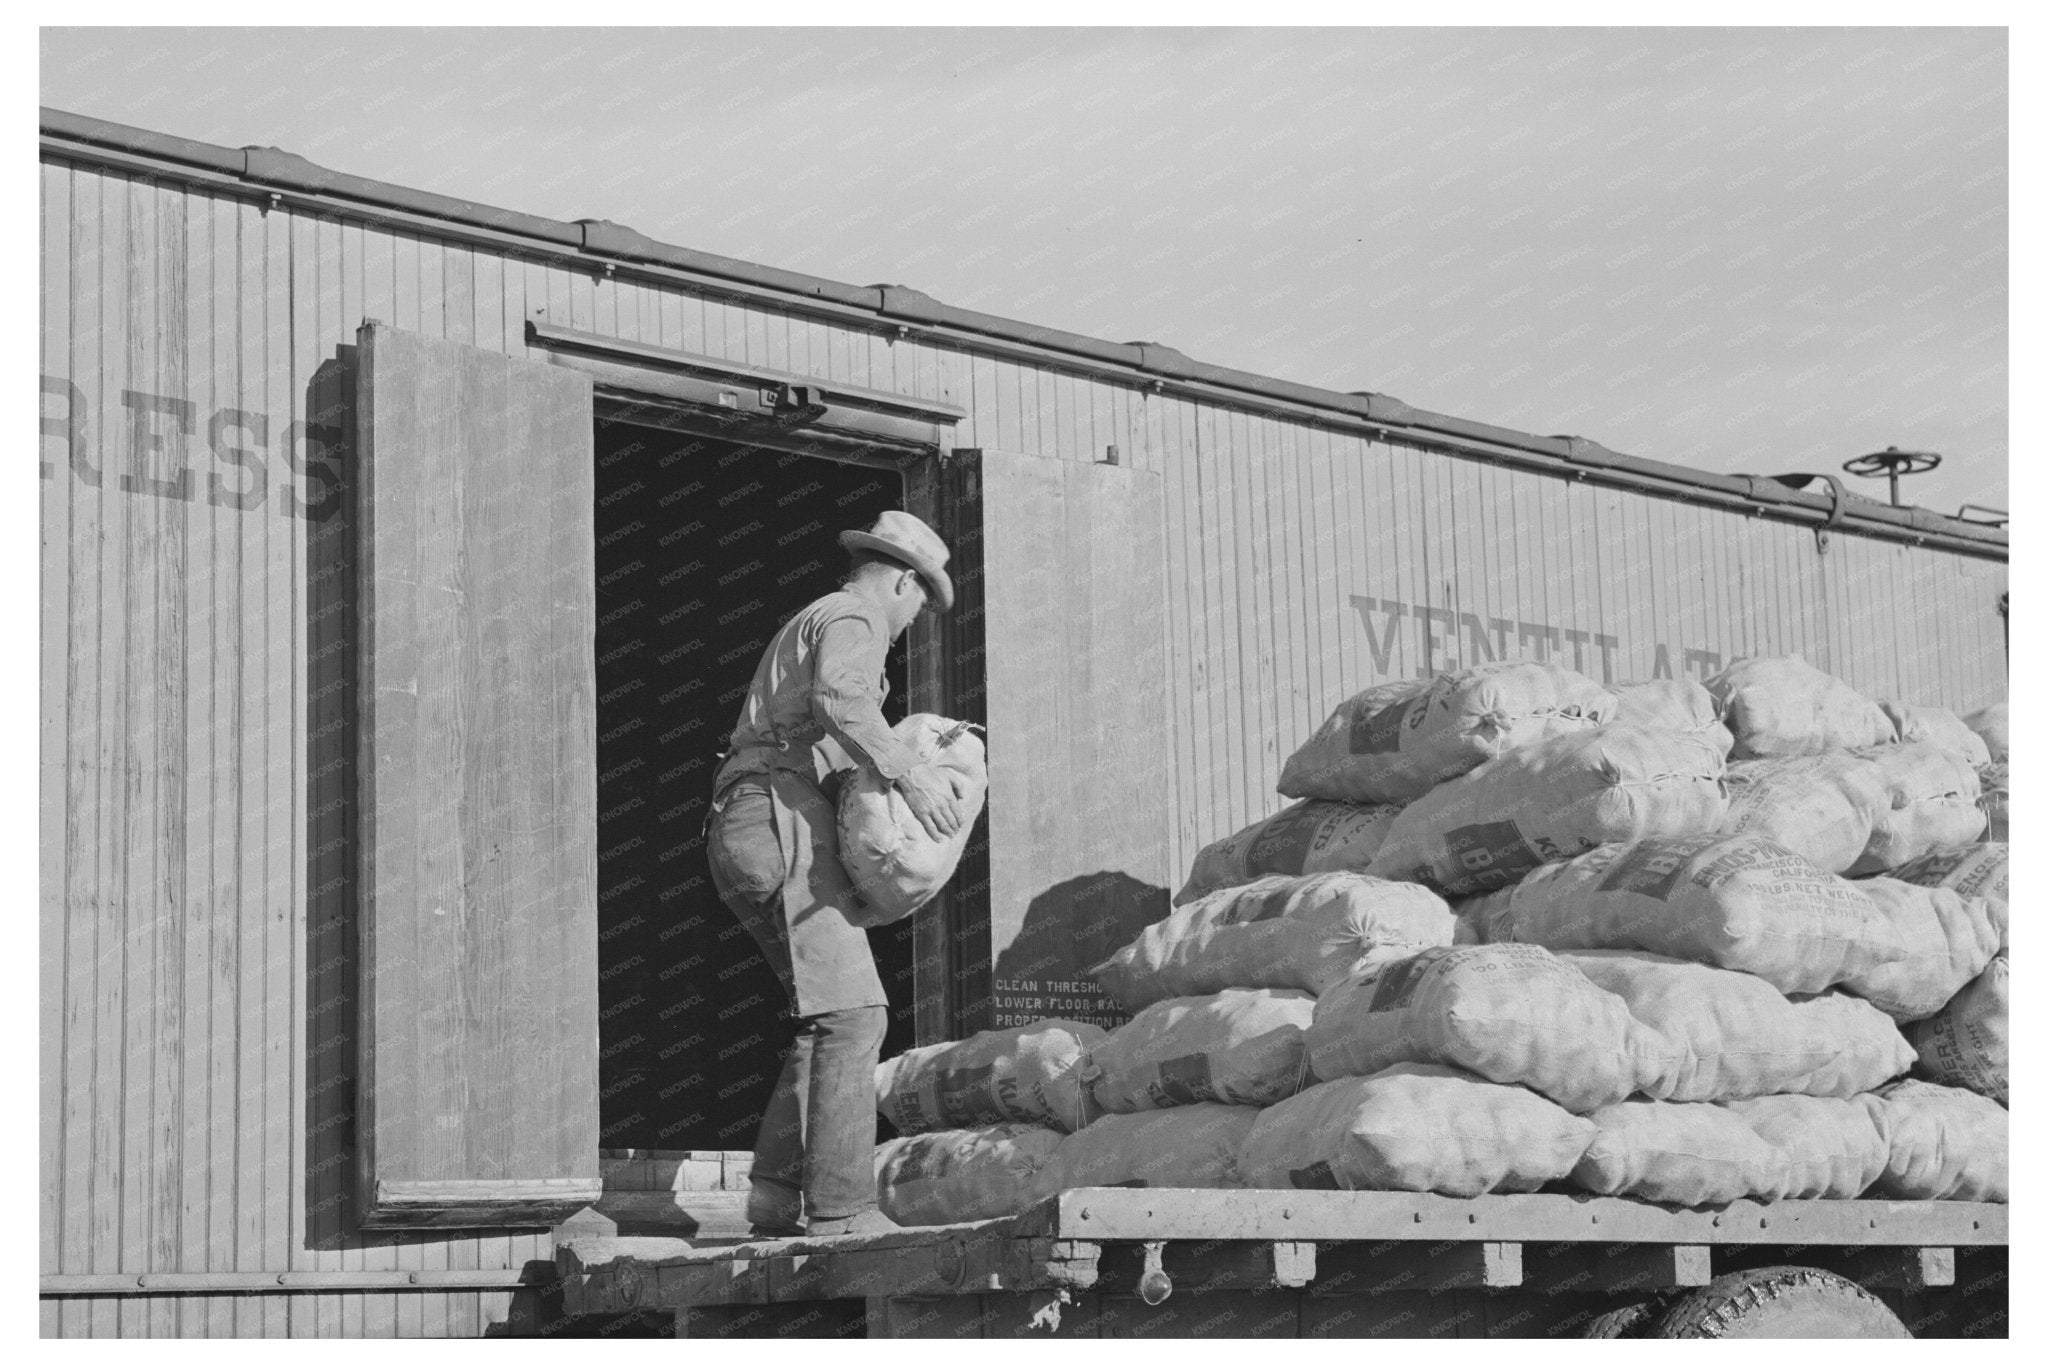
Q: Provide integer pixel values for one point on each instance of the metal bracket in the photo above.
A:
(1994, 516)
(1155, 1286)
(711, 369)
(950, 1263)
(794, 405)
(1823, 534)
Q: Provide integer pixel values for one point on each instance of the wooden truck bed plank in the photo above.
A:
(1357, 1215)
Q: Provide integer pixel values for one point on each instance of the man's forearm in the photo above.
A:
(849, 654)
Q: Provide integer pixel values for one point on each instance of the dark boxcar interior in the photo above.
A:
(704, 548)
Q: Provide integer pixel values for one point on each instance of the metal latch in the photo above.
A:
(793, 405)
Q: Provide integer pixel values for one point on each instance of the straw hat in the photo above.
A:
(903, 537)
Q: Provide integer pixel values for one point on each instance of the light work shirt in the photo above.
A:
(815, 703)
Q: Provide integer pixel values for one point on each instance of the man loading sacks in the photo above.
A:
(811, 716)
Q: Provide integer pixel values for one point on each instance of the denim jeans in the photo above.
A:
(818, 1134)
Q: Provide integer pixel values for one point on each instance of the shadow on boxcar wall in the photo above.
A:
(1069, 927)
(332, 905)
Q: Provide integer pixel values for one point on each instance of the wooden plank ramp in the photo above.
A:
(638, 1274)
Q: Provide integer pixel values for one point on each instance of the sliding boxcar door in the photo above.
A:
(1072, 609)
(478, 771)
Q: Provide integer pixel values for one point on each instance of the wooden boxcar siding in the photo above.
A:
(1299, 558)
(197, 742)
(196, 747)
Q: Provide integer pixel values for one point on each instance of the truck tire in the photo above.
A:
(1778, 1302)
(1627, 1323)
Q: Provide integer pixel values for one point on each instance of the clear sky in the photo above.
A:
(1750, 250)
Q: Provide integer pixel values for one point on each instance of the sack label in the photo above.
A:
(1653, 868)
(1283, 842)
(1258, 907)
(1381, 734)
(1184, 1080)
(1398, 981)
(1968, 872)
(1491, 855)
(969, 1092)
(1935, 867)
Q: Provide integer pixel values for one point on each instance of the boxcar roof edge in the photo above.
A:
(268, 168)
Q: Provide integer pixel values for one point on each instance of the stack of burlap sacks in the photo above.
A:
(1672, 941)
(1223, 996)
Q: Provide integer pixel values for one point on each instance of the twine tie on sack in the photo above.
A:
(959, 728)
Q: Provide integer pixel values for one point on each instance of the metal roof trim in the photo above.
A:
(603, 237)
(265, 166)
(1842, 507)
(123, 137)
(901, 302)
(1383, 407)
(616, 239)
(1582, 450)
(1764, 488)
(1051, 338)
(271, 167)
(1157, 358)
(288, 170)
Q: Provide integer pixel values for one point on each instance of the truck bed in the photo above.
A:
(1123, 1241)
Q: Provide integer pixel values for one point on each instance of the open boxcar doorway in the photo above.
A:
(704, 548)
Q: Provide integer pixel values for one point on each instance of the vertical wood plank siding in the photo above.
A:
(199, 972)
(1617, 585)
(197, 914)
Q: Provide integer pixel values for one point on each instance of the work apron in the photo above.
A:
(821, 957)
